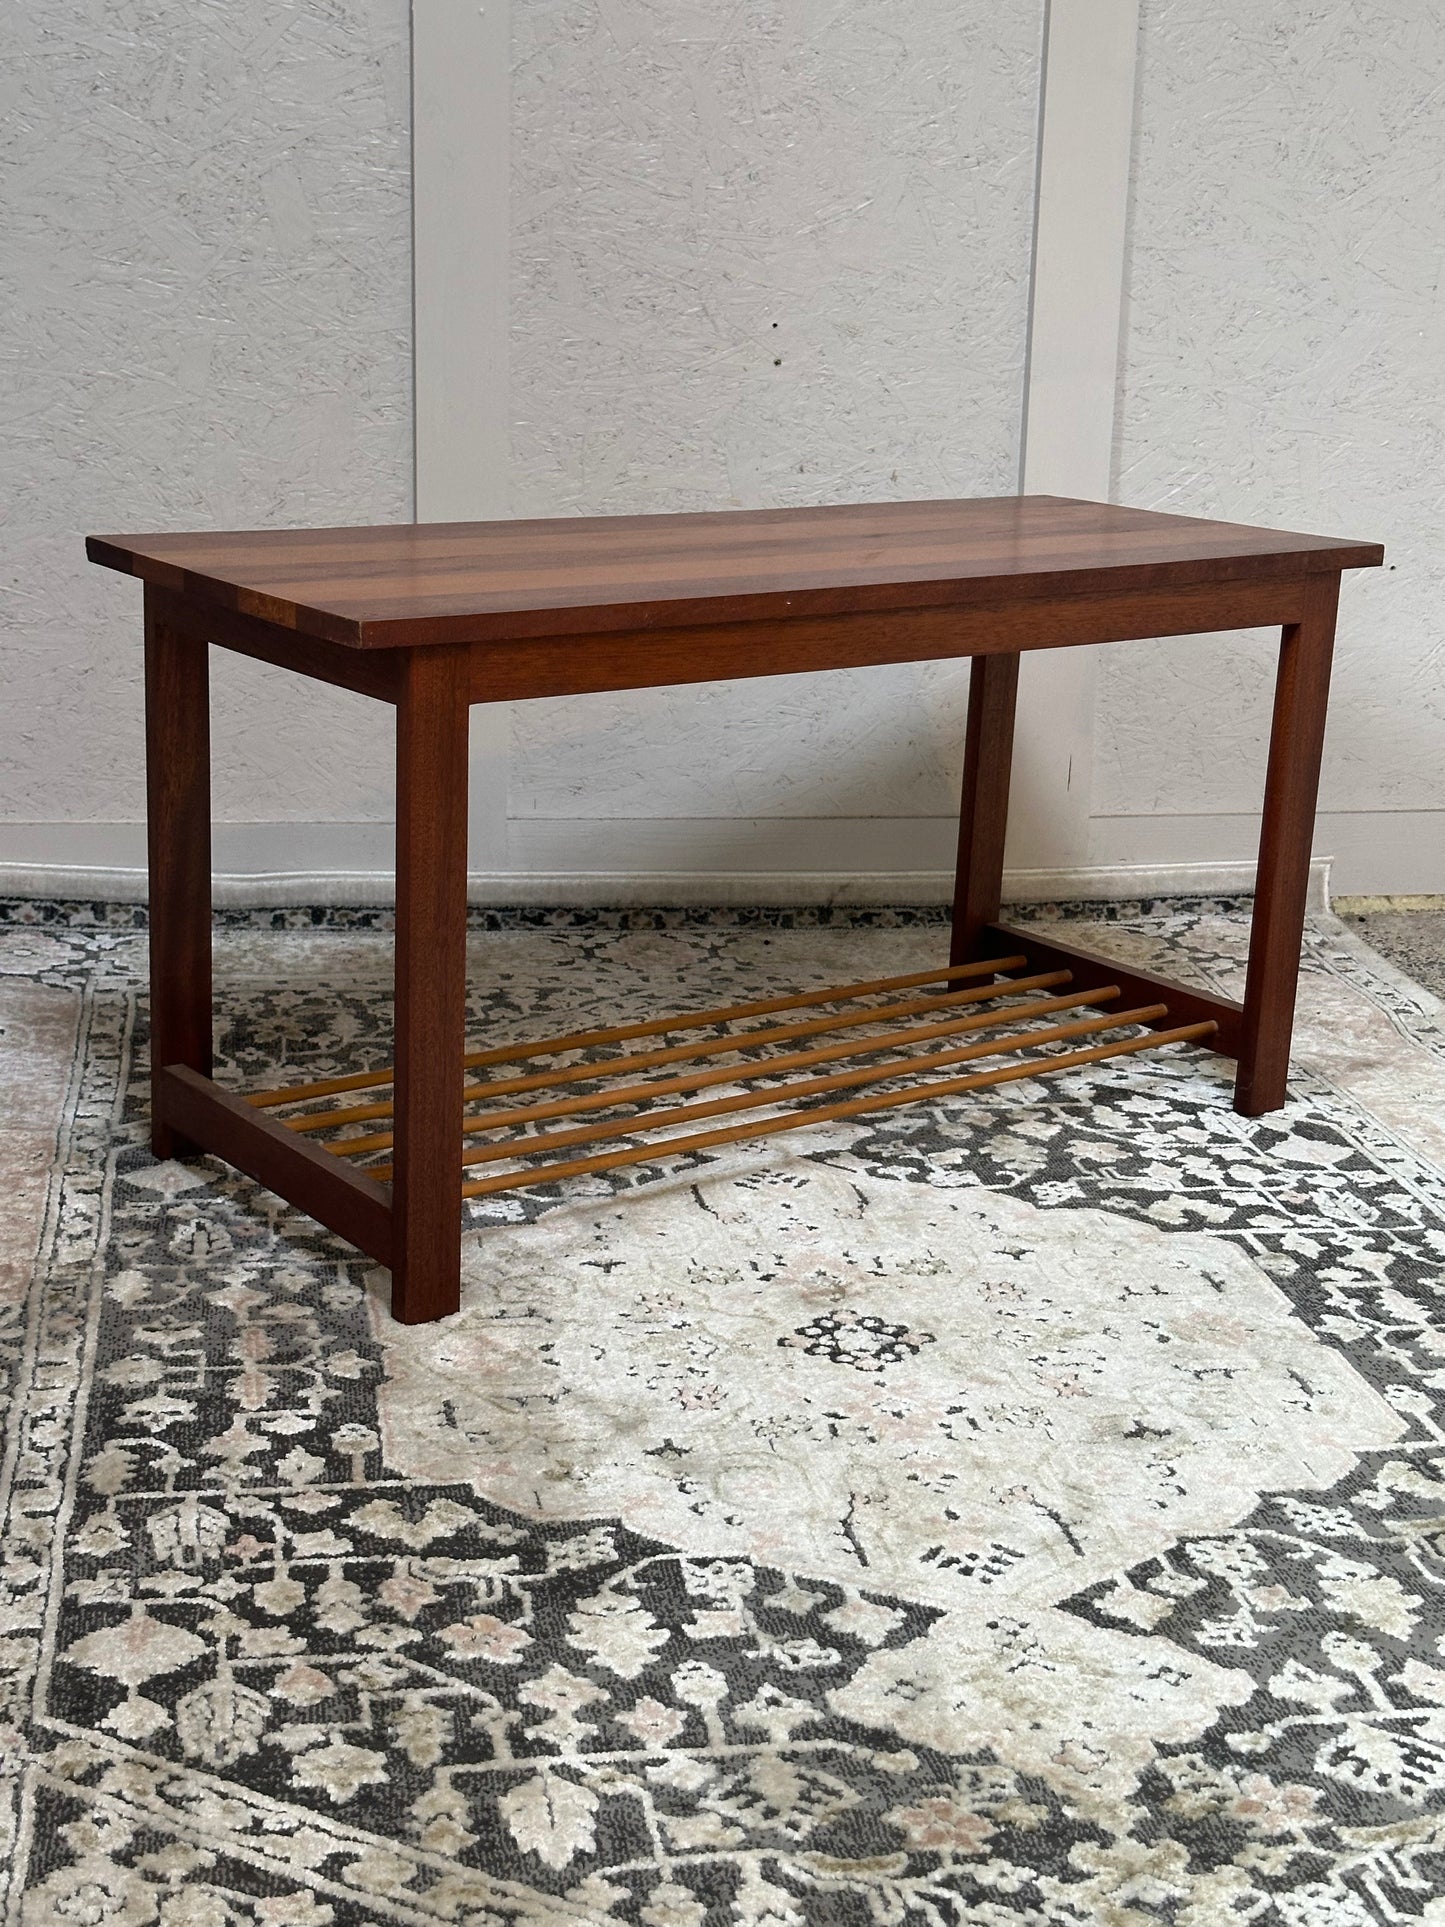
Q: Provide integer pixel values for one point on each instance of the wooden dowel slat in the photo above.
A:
(755, 1100)
(618, 1033)
(733, 1073)
(823, 1113)
(708, 1047)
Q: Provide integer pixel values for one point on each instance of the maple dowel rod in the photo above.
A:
(753, 1100)
(823, 1113)
(651, 1027)
(709, 1047)
(734, 1073)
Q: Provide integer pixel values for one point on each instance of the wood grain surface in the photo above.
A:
(431, 981)
(435, 617)
(420, 584)
(178, 824)
(1088, 969)
(1301, 698)
(351, 1202)
(983, 814)
(824, 1113)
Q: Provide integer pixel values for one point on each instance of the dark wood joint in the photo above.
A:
(1091, 970)
(312, 1178)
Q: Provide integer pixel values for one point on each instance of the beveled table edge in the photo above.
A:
(603, 619)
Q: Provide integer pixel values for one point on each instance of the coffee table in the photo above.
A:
(433, 618)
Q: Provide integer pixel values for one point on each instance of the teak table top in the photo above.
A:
(422, 584)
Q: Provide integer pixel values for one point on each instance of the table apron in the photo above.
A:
(515, 668)
(369, 672)
(635, 659)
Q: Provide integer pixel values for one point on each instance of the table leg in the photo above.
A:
(178, 834)
(431, 978)
(1282, 883)
(983, 818)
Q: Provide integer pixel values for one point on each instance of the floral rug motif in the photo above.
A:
(1028, 1508)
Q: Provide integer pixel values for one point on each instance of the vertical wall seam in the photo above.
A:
(411, 162)
(1034, 243)
(461, 387)
(1087, 107)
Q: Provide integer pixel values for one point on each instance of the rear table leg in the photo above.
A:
(983, 817)
(431, 969)
(1296, 743)
(178, 836)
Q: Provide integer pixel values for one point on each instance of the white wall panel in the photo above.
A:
(204, 301)
(769, 253)
(1086, 127)
(1284, 348)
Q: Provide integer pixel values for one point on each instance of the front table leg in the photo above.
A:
(178, 838)
(431, 981)
(993, 683)
(1282, 883)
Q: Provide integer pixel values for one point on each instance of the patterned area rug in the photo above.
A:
(1027, 1509)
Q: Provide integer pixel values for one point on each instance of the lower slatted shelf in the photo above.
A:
(997, 1006)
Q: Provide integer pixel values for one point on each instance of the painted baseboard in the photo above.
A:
(1372, 852)
(864, 860)
(589, 888)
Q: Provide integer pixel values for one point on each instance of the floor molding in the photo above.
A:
(590, 888)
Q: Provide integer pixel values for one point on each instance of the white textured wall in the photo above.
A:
(769, 253)
(204, 320)
(775, 252)
(1285, 343)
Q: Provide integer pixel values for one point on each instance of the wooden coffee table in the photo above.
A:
(434, 618)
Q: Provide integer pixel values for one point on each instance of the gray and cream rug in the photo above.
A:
(1029, 1509)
